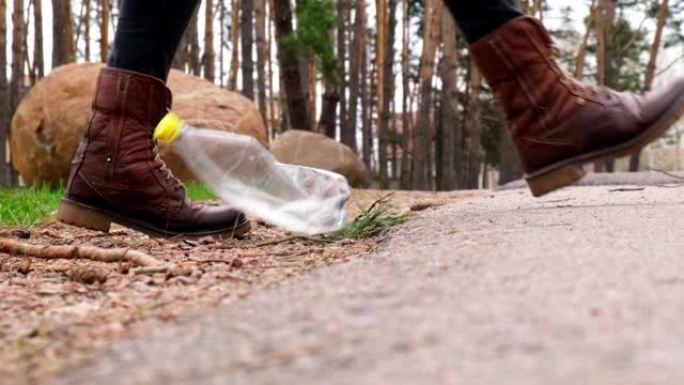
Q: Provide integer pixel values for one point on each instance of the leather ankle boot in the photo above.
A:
(558, 123)
(118, 176)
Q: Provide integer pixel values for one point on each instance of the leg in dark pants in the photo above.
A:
(148, 34)
(477, 18)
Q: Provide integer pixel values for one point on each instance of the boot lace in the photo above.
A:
(576, 85)
(161, 167)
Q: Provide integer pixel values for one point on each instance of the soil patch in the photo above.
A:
(56, 313)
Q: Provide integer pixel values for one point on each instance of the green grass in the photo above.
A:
(198, 192)
(27, 206)
(21, 207)
(372, 222)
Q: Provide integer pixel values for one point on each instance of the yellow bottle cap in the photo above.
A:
(169, 128)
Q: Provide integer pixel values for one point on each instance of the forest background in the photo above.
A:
(391, 79)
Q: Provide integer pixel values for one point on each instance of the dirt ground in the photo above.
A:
(52, 316)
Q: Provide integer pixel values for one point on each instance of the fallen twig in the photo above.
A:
(138, 258)
(671, 175)
(283, 240)
(627, 189)
(151, 270)
(380, 200)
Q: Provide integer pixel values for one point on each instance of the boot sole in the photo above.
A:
(571, 170)
(93, 218)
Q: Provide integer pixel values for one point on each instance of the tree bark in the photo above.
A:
(86, 35)
(18, 46)
(663, 12)
(422, 138)
(104, 31)
(449, 107)
(348, 126)
(222, 42)
(406, 121)
(234, 41)
(208, 58)
(348, 138)
(582, 50)
(272, 116)
(247, 38)
(472, 143)
(386, 85)
(326, 121)
(366, 128)
(38, 58)
(194, 61)
(297, 100)
(604, 21)
(6, 172)
(64, 49)
(261, 56)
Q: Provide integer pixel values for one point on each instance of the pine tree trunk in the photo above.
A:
(194, 61)
(342, 20)
(272, 116)
(473, 131)
(18, 36)
(449, 107)
(86, 35)
(6, 171)
(387, 86)
(180, 60)
(422, 138)
(234, 41)
(406, 120)
(326, 121)
(63, 47)
(604, 26)
(663, 12)
(580, 62)
(15, 86)
(297, 100)
(348, 124)
(366, 128)
(222, 42)
(104, 31)
(247, 38)
(310, 84)
(261, 56)
(209, 57)
(38, 58)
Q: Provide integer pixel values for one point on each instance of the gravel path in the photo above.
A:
(585, 286)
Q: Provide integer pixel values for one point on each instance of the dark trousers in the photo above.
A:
(149, 31)
(148, 34)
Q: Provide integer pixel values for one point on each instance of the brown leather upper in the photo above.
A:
(551, 116)
(117, 167)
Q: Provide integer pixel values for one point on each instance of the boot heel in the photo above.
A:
(83, 216)
(552, 180)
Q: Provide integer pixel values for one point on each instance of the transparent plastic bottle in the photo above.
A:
(245, 175)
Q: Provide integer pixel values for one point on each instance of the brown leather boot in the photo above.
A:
(117, 175)
(558, 123)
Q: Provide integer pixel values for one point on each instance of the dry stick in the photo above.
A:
(671, 175)
(282, 240)
(12, 247)
(381, 200)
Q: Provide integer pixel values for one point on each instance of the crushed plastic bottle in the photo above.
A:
(245, 175)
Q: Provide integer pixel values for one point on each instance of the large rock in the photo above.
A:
(51, 119)
(314, 150)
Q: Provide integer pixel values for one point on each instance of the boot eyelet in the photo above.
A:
(108, 159)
